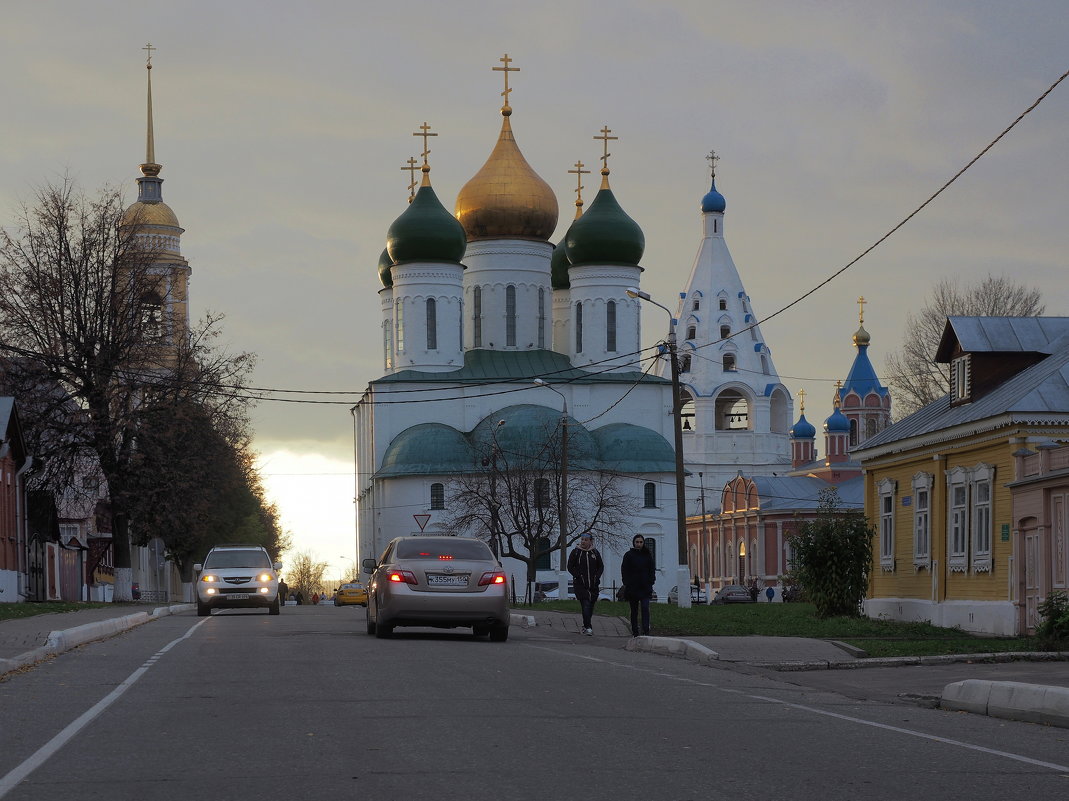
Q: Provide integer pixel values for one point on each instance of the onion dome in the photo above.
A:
(713, 201)
(838, 423)
(506, 198)
(558, 266)
(862, 337)
(148, 213)
(150, 208)
(426, 231)
(605, 234)
(385, 263)
(803, 429)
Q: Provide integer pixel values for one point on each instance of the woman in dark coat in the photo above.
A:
(586, 566)
(638, 574)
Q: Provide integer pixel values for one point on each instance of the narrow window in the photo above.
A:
(958, 523)
(922, 523)
(887, 524)
(725, 331)
(387, 357)
(578, 327)
(477, 316)
(981, 519)
(510, 316)
(684, 364)
(729, 363)
(400, 321)
(541, 493)
(723, 304)
(697, 305)
(651, 546)
(432, 324)
(692, 331)
(437, 496)
(610, 326)
(541, 317)
(649, 496)
(542, 562)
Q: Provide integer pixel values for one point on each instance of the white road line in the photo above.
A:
(49, 749)
(897, 729)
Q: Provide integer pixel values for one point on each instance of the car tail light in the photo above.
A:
(403, 577)
(492, 577)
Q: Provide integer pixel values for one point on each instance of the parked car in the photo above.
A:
(445, 582)
(352, 594)
(697, 595)
(733, 594)
(237, 576)
(550, 591)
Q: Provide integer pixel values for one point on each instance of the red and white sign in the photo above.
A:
(422, 520)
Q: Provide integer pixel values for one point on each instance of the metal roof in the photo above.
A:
(1001, 335)
(803, 492)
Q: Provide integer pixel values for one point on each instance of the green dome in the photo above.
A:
(526, 431)
(427, 449)
(605, 234)
(385, 263)
(426, 232)
(558, 266)
(629, 448)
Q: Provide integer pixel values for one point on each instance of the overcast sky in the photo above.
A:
(282, 128)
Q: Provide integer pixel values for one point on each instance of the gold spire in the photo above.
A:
(579, 172)
(425, 131)
(801, 399)
(861, 337)
(838, 392)
(712, 158)
(412, 184)
(605, 131)
(506, 199)
(150, 167)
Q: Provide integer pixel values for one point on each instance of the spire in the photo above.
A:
(410, 165)
(579, 172)
(713, 200)
(150, 167)
(605, 131)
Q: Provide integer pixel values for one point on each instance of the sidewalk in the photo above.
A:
(965, 682)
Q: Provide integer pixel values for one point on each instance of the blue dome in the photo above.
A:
(629, 448)
(427, 449)
(713, 201)
(838, 423)
(803, 429)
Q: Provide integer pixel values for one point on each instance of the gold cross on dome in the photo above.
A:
(801, 399)
(424, 131)
(712, 158)
(148, 59)
(605, 131)
(506, 69)
(861, 303)
(579, 172)
(411, 166)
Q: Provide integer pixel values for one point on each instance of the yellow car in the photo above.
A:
(354, 594)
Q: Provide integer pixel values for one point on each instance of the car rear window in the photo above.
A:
(437, 549)
(237, 558)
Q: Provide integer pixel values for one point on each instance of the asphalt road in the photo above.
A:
(306, 706)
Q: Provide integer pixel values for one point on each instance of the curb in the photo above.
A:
(1011, 700)
(61, 641)
(671, 646)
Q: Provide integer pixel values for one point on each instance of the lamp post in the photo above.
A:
(682, 571)
(562, 507)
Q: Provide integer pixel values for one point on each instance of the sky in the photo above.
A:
(283, 128)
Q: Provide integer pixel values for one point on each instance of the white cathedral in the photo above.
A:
(478, 304)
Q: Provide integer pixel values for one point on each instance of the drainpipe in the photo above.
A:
(21, 525)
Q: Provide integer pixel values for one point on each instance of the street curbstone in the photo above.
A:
(1032, 703)
(970, 695)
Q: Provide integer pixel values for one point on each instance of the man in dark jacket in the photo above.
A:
(638, 574)
(586, 566)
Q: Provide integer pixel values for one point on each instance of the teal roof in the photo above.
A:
(385, 263)
(605, 234)
(522, 367)
(558, 266)
(527, 427)
(427, 449)
(634, 449)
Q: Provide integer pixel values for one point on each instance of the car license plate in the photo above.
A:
(447, 581)
(237, 596)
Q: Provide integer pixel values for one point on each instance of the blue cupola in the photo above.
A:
(803, 429)
(713, 201)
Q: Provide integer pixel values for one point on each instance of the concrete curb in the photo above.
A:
(671, 646)
(527, 621)
(1012, 700)
(60, 641)
(904, 661)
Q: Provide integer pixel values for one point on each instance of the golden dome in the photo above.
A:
(150, 214)
(506, 199)
(862, 337)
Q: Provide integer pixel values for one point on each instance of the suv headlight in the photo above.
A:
(266, 577)
(209, 577)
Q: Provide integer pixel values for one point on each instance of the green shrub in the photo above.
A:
(1053, 630)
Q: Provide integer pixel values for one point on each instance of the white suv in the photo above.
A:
(237, 576)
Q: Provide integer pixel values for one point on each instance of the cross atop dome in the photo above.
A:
(411, 166)
(425, 131)
(605, 131)
(506, 109)
(712, 158)
(579, 172)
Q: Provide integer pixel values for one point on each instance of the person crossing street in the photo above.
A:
(586, 566)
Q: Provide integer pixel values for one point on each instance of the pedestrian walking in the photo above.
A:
(638, 574)
(315, 599)
(283, 592)
(586, 566)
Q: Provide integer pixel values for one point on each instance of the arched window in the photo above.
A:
(151, 315)
(477, 316)
(399, 321)
(541, 493)
(649, 496)
(725, 331)
(686, 411)
(723, 304)
(610, 326)
(870, 428)
(387, 357)
(697, 304)
(732, 411)
(692, 331)
(579, 327)
(853, 432)
(729, 362)
(510, 316)
(541, 317)
(437, 496)
(432, 324)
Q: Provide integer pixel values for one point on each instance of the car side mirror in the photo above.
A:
(368, 565)
(278, 566)
(198, 567)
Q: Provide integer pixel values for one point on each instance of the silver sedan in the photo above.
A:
(445, 582)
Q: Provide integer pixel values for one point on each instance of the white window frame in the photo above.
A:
(958, 520)
(922, 519)
(887, 490)
(982, 498)
(960, 374)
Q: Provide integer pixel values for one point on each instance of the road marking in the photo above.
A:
(49, 749)
(897, 729)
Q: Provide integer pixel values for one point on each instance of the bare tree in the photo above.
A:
(510, 499)
(305, 574)
(915, 378)
(80, 290)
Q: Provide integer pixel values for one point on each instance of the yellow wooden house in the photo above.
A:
(937, 483)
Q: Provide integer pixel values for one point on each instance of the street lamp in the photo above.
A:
(562, 507)
(683, 571)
